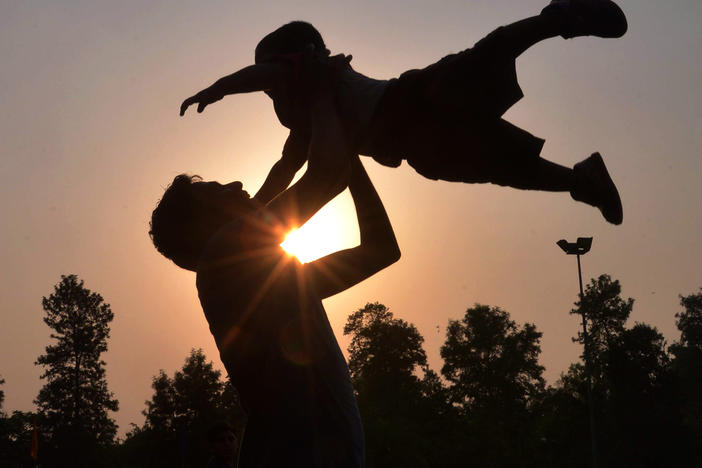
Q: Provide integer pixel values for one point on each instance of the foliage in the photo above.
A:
(75, 400)
(606, 313)
(689, 321)
(490, 362)
(634, 391)
(635, 405)
(489, 408)
(16, 439)
(687, 368)
(396, 390)
(179, 414)
(493, 373)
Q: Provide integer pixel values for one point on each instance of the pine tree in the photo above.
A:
(75, 401)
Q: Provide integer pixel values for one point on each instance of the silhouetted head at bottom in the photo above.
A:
(223, 444)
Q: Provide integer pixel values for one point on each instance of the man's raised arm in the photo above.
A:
(258, 77)
(378, 249)
(328, 162)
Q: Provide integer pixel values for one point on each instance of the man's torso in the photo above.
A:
(279, 350)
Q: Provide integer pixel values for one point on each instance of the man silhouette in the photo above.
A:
(264, 307)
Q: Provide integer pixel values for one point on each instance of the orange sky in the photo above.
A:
(90, 136)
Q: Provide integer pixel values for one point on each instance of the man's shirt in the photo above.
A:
(278, 347)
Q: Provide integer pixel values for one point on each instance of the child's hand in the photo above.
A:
(203, 98)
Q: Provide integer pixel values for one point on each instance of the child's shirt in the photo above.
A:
(365, 94)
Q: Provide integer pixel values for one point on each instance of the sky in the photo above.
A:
(90, 136)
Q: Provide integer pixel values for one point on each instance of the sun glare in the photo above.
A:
(327, 231)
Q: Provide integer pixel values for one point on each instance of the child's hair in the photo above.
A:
(290, 38)
(178, 224)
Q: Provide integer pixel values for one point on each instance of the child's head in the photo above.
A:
(290, 38)
(189, 214)
(282, 45)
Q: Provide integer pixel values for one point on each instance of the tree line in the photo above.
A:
(488, 406)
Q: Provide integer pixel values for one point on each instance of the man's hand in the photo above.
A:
(203, 99)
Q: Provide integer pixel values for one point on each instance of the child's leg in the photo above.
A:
(513, 39)
(543, 175)
(567, 18)
(499, 152)
(588, 182)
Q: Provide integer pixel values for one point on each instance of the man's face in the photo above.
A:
(230, 199)
(225, 445)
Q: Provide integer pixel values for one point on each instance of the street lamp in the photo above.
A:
(581, 247)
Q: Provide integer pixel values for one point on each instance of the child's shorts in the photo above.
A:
(445, 119)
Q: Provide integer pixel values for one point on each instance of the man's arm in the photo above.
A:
(328, 164)
(314, 76)
(378, 249)
(259, 77)
(295, 154)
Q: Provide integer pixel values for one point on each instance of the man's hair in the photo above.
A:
(290, 38)
(178, 226)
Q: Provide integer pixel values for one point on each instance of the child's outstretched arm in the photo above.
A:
(258, 77)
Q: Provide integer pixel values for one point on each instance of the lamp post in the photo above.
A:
(581, 247)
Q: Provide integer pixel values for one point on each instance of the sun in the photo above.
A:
(329, 230)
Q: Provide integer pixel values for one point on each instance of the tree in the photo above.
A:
(689, 321)
(179, 414)
(490, 361)
(75, 400)
(636, 412)
(561, 425)
(16, 439)
(687, 367)
(606, 313)
(635, 403)
(383, 346)
(398, 395)
(493, 373)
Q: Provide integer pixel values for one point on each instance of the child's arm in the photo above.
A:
(259, 77)
(295, 154)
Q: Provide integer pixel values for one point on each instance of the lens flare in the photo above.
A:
(326, 232)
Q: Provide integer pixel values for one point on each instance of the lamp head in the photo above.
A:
(581, 247)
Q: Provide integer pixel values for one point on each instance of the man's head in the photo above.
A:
(292, 38)
(190, 212)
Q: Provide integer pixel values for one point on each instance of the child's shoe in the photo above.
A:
(594, 186)
(601, 18)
